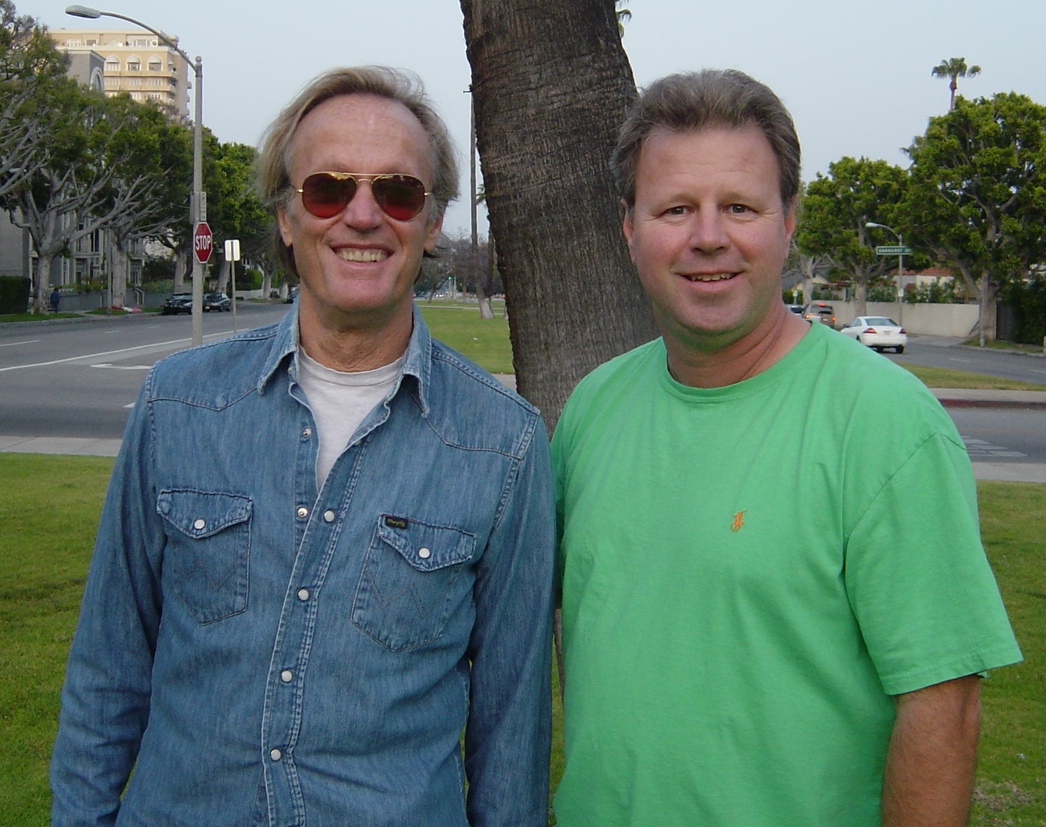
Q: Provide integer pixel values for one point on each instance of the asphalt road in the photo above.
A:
(79, 379)
(941, 352)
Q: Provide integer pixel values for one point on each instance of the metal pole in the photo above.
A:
(900, 284)
(197, 204)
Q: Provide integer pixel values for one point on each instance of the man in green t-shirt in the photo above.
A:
(776, 606)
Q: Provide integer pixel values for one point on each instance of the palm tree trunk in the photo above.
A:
(550, 83)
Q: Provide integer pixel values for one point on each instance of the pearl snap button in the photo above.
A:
(306, 433)
(275, 754)
(303, 512)
(328, 515)
(303, 594)
(424, 553)
(286, 676)
(200, 524)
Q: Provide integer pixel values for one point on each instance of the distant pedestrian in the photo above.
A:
(56, 297)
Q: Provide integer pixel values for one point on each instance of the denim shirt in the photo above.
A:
(262, 653)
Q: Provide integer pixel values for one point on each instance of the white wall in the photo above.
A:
(928, 319)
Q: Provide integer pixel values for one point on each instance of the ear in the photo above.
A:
(789, 222)
(432, 235)
(628, 228)
(286, 231)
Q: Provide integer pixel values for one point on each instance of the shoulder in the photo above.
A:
(216, 372)
(471, 407)
(609, 388)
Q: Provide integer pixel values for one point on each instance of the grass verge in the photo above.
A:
(485, 341)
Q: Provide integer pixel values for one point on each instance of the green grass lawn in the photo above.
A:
(51, 505)
(484, 341)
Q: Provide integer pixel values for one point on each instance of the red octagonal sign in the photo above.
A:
(202, 242)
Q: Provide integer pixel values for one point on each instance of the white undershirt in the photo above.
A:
(339, 402)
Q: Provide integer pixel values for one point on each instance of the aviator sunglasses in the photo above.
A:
(325, 194)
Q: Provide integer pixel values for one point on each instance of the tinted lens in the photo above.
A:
(325, 196)
(400, 196)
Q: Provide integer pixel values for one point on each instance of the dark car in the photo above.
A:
(820, 313)
(216, 301)
(177, 303)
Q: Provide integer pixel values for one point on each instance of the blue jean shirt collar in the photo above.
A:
(418, 361)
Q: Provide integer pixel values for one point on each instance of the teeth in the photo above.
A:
(713, 277)
(362, 255)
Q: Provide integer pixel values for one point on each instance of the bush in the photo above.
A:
(1027, 300)
(14, 294)
(249, 279)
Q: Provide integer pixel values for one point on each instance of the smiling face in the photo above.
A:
(358, 267)
(709, 236)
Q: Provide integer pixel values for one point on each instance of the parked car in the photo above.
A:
(820, 313)
(216, 301)
(177, 303)
(796, 308)
(878, 332)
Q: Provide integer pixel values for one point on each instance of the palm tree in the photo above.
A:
(954, 68)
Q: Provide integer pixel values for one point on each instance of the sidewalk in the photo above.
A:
(949, 397)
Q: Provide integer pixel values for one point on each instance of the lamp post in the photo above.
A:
(900, 267)
(196, 208)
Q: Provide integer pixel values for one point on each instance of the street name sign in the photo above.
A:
(202, 242)
(893, 251)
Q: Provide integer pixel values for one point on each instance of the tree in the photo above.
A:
(977, 195)
(154, 156)
(29, 65)
(954, 68)
(835, 211)
(89, 180)
(234, 209)
(550, 84)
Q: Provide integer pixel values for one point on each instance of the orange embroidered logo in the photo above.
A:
(739, 520)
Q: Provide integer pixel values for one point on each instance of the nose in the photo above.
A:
(708, 233)
(363, 212)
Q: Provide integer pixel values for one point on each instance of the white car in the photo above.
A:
(877, 332)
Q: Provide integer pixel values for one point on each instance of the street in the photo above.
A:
(79, 379)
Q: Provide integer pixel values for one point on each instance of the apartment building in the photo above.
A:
(137, 62)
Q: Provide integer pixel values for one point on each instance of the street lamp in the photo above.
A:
(900, 267)
(196, 211)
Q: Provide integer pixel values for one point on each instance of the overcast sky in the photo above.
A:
(856, 76)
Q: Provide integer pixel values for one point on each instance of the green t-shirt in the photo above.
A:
(748, 574)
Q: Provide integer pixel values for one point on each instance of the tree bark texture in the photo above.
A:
(550, 84)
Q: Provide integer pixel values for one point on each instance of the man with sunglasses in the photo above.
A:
(321, 589)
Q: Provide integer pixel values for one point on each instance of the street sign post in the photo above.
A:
(893, 250)
(232, 255)
(202, 242)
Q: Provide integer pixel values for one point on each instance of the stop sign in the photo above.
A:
(202, 242)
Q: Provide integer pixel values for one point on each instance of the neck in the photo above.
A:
(717, 367)
(350, 348)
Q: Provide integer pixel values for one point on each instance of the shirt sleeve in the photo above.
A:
(918, 579)
(508, 733)
(105, 699)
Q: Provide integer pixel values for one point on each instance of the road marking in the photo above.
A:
(87, 356)
(983, 448)
(26, 342)
(121, 367)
